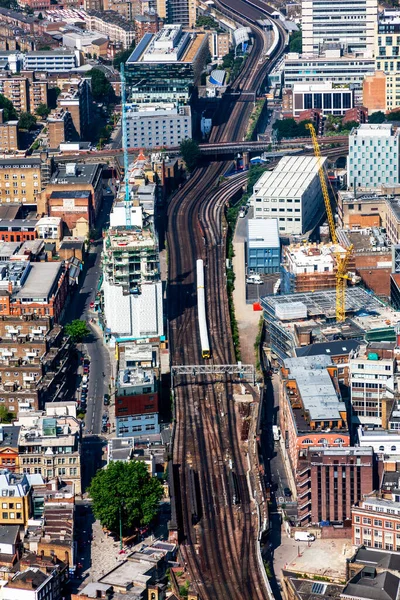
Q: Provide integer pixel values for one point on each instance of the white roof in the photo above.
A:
(263, 233)
(374, 130)
(290, 179)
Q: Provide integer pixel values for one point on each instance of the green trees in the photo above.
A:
(190, 153)
(101, 87)
(289, 128)
(5, 415)
(26, 121)
(126, 488)
(295, 41)
(43, 111)
(206, 22)
(376, 117)
(8, 107)
(77, 330)
(123, 56)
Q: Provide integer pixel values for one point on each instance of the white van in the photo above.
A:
(255, 278)
(304, 536)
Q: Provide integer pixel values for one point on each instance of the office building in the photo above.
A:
(330, 98)
(219, 44)
(374, 157)
(166, 66)
(136, 401)
(376, 524)
(290, 193)
(311, 411)
(374, 92)
(350, 26)
(50, 443)
(330, 481)
(330, 65)
(158, 124)
(90, 43)
(387, 56)
(263, 246)
(51, 61)
(372, 378)
(112, 25)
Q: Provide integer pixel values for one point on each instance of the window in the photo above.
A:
(338, 441)
(307, 441)
(388, 525)
(381, 448)
(393, 448)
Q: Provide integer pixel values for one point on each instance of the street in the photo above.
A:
(79, 308)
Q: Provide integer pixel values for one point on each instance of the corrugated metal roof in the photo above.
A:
(263, 233)
(290, 178)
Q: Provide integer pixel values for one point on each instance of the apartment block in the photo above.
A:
(9, 136)
(219, 43)
(350, 26)
(158, 124)
(376, 524)
(290, 193)
(147, 23)
(330, 481)
(21, 179)
(76, 98)
(112, 25)
(136, 402)
(311, 409)
(181, 12)
(38, 94)
(16, 90)
(374, 158)
(50, 445)
(15, 492)
(60, 128)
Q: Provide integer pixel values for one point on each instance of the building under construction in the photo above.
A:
(310, 267)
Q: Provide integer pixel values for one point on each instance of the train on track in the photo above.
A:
(234, 488)
(194, 496)
(201, 310)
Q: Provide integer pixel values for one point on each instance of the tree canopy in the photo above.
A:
(295, 41)
(8, 107)
(5, 415)
(43, 111)
(376, 117)
(190, 153)
(101, 87)
(26, 121)
(126, 487)
(77, 330)
(122, 56)
(289, 128)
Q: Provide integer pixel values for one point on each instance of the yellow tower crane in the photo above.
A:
(342, 262)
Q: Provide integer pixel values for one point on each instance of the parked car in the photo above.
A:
(287, 492)
(254, 279)
(106, 399)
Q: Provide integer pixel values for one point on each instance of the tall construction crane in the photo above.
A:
(127, 199)
(342, 262)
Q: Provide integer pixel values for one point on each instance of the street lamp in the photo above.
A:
(120, 527)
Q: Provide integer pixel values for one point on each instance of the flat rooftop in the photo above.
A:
(120, 239)
(311, 590)
(170, 45)
(41, 281)
(263, 233)
(290, 178)
(315, 386)
(135, 376)
(83, 173)
(381, 130)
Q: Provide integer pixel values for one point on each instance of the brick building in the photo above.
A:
(76, 98)
(8, 135)
(376, 524)
(330, 480)
(60, 128)
(311, 410)
(9, 447)
(148, 23)
(22, 179)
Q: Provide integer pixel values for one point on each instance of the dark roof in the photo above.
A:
(9, 162)
(8, 534)
(33, 576)
(373, 586)
(378, 558)
(311, 590)
(70, 194)
(50, 246)
(9, 211)
(336, 348)
(10, 436)
(71, 244)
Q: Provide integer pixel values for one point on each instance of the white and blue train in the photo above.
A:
(201, 308)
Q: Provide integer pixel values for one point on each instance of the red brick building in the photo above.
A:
(330, 481)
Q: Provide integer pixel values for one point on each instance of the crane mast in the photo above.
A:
(342, 262)
(127, 199)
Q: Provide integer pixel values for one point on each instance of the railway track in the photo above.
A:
(219, 545)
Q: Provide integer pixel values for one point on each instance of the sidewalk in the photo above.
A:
(247, 319)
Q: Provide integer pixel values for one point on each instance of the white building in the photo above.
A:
(373, 158)
(381, 440)
(49, 228)
(158, 124)
(53, 61)
(31, 584)
(349, 24)
(331, 98)
(134, 315)
(290, 193)
(371, 379)
(331, 65)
